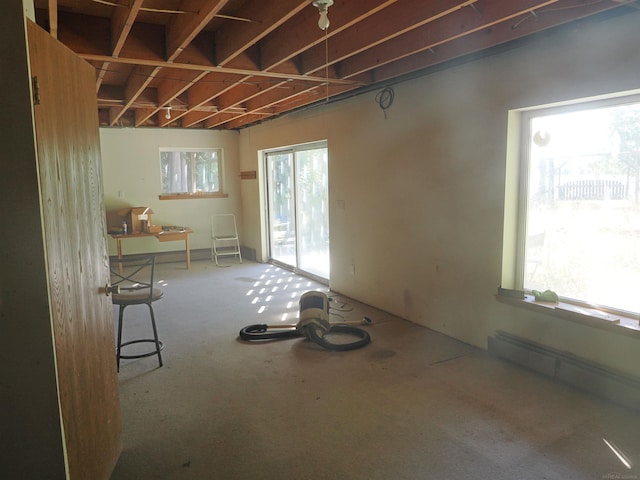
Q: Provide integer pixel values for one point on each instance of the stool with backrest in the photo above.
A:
(224, 236)
(132, 279)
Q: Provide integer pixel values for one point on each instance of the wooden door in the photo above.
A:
(74, 225)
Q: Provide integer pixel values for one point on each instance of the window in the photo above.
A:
(190, 172)
(580, 203)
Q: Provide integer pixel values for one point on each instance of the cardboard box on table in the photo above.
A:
(139, 220)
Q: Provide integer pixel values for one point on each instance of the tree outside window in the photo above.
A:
(582, 207)
(190, 171)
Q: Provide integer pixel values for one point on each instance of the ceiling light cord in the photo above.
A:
(323, 24)
(326, 62)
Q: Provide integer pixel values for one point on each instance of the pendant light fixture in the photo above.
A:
(167, 113)
(323, 7)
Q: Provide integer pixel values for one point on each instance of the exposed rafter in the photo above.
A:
(230, 63)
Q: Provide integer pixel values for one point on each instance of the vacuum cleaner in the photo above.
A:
(314, 325)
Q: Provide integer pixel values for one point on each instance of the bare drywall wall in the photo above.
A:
(131, 169)
(417, 197)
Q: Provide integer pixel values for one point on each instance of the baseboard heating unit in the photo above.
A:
(583, 374)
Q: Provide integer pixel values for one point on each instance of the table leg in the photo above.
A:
(118, 240)
(188, 252)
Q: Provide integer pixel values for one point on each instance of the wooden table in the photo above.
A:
(164, 236)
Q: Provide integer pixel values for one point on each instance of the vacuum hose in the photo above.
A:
(311, 332)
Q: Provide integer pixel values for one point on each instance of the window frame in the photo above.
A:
(195, 195)
(512, 289)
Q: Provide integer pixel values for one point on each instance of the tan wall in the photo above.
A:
(131, 164)
(423, 190)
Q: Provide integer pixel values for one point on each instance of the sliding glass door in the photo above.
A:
(298, 203)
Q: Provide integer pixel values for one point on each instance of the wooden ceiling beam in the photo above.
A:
(101, 70)
(211, 87)
(301, 32)
(183, 28)
(241, 121)
(53, 17)
(307, 97)
(243, 92)
(221, 121)
(141, 115)
(524, 25)
(266, 58)
(219, 118)
(235, 37)
(195, 117)
(444, 29)
(111, 95)
(138, 81)
(287, 90)
(144, 41)
(282, 91)
(171, 87)
(380, 28)
(113, 111)
(210, 68)
(175, 83)
(320, 95)
(84, 33)
(121, 22)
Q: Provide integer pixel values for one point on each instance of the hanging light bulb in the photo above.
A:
(323, 23)
(167, 114)
(323, 7)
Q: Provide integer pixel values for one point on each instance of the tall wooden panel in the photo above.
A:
(69, 165)
(29, 410)
(59, 408)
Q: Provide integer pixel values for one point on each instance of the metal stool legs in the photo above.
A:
(158, 344)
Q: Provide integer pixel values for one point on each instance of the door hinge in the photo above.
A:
(36, 90)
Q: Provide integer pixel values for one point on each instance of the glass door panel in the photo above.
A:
(282, 231)
(312, 195)
(298, 203)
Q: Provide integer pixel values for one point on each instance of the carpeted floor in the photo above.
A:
(413, 404)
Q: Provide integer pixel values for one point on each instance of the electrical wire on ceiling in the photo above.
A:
(384, 99)
(164, 10)
(534, 14)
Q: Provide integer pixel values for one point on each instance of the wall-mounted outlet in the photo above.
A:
(341, 205)
(120, 193)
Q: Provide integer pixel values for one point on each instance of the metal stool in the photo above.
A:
(132, 284)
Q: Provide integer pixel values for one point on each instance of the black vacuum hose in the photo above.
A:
(260, 332)
(315, 337)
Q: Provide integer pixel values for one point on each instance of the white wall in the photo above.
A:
(131, 164)
(423, 190)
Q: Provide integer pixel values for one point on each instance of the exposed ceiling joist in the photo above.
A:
(227, 64)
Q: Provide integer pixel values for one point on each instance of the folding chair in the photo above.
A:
(224, 236)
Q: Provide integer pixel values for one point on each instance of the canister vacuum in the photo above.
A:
(314, 325)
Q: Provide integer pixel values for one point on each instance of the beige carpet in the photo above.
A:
(413, 404)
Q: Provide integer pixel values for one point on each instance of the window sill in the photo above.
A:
(191, 196)
(586, 316)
